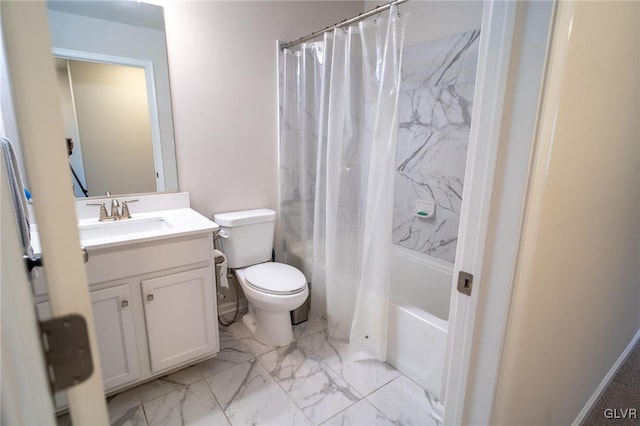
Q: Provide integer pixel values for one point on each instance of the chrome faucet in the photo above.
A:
(114, 209)
(115, 213)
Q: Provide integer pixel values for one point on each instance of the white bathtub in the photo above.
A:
(418, 313)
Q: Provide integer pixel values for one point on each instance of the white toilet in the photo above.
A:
(272, 289)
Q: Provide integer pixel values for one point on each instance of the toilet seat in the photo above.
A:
(275, 278)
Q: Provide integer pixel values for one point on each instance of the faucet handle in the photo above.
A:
(125, 208)
(103, 211)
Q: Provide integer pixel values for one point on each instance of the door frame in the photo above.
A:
(510, 80)
(152, 98)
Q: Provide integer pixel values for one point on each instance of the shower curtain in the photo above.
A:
(337, 154)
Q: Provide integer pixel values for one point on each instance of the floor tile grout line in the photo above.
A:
(318, 361)
(283, 390)
(333, 370)
(229, 367)
(388, 383)
(417, 384)
(280, 386)
(378, 410)
(385, 384)
(215, 398)
(380, 387)
(144, 414)
(363, 396)
(161, 395)
(349, 383)
(351, 406)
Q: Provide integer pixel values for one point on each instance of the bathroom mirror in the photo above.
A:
(113, 79)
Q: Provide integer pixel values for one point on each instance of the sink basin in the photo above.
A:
(123, 228)
(143, 227)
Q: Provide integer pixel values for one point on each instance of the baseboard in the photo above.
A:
(605, 382)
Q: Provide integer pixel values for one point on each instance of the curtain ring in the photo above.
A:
(391, 5)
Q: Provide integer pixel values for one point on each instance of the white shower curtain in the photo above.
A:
(353, 106)
(300, 83)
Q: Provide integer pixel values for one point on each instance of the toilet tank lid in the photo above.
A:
(245, 217)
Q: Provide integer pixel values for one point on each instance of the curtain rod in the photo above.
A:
(358, 18)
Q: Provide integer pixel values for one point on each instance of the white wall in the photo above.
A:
(575, 306)
(222, 61)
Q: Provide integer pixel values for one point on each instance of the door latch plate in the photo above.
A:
(465, 283)
(67, 351)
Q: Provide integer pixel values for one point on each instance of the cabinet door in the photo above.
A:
(180, 315)
(115, 333)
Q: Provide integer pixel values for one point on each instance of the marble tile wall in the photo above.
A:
(436, 99)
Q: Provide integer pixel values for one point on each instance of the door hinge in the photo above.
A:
(32, 262)
(465, 283)
(67, 351)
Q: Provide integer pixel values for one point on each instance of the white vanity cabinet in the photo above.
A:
(179, 313)
(153, 306)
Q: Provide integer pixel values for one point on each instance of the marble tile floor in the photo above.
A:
(310, 382)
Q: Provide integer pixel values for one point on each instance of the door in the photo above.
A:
(179, 311)
(29, 98)
(115, 333)
(22, 366)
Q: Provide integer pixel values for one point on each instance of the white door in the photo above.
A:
(30, 96)
(115, 333)
(179, 311)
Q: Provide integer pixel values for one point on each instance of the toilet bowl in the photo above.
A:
(272, 289)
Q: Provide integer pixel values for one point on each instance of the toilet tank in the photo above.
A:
(247, 236)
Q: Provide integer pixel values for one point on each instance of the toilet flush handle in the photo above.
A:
(223, 234)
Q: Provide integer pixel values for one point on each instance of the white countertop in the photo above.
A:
(175, 223)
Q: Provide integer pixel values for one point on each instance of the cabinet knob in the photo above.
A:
(85, 254)
(124, 303)
(149, 297)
